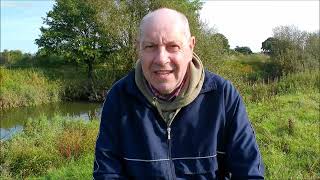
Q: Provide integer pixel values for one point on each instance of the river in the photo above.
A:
(12, 120)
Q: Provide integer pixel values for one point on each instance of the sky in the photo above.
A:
(244, 23)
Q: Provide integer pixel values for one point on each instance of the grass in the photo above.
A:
(34, 86)
(46, 145)
(74, 169)
(26, 87)
(287, 131)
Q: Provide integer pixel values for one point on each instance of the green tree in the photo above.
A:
(221, 39)
(268, 45)
(294, 50)
(72, 31)
(312, 50)
(243, 50)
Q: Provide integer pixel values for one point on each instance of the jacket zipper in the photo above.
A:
(155, 103)
(169, 153)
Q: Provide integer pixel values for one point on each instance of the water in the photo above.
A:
(12, 120)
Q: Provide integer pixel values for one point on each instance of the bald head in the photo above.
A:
(166, 15)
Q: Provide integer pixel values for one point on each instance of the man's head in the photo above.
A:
(165, 48)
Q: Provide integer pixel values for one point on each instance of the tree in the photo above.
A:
(292, 34)
(312, 50)
(293, 50)
(73, 31)
(268, 45)
(11, 57)
(243, 50)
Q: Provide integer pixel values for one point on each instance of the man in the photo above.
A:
(171, 119)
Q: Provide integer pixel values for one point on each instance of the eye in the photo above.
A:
(149, 46)
(173, 47)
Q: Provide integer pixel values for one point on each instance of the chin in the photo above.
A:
(164, 90)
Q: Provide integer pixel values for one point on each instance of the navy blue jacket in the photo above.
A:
(211, 138)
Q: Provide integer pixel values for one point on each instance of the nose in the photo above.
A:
(162, 56)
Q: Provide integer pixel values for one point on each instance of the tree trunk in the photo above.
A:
(91, 88)
(90, 70)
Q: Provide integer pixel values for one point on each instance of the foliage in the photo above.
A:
(243, 50)
(26, 87)
(293, 50)
(34, 86)
(74, 32)
(44, 144)
(13, 57)
(268, 45)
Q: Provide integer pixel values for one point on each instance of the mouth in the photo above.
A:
(163, 72)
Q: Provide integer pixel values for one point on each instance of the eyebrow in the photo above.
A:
(168, 42)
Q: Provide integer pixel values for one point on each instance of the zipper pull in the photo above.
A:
(169, 134)
(154, 101)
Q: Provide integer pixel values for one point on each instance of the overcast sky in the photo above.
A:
(244, 23)
(249, 23)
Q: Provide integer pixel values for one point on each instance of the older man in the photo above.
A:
(171, 119)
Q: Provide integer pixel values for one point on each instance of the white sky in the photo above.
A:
(244, 23)
(249, 23)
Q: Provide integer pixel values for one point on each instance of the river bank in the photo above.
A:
(34, 86)
(13, 120)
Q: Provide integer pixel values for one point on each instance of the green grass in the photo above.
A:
(46, 145)
(34, 86)
(287, 131)
(74, 169)
(26, 87)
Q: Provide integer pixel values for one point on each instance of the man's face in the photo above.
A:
(165, 53)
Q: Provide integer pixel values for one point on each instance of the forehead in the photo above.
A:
(163, 32)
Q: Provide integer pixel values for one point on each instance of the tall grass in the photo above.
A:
(45, 145)
(26, 87)
(33, 86)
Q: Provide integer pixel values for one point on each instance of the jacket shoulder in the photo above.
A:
(213, 81)
(121, 86)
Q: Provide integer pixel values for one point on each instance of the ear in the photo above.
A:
(192, 42)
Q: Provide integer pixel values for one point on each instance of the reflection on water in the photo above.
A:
(12, 120)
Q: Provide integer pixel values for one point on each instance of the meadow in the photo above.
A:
(284, 112)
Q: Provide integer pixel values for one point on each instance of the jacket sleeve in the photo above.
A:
(108, 162)
(243, 159)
